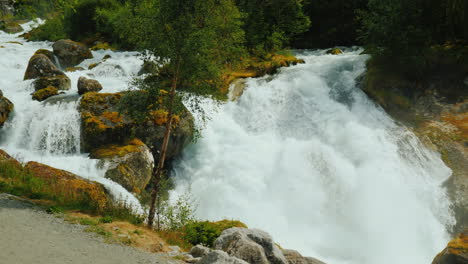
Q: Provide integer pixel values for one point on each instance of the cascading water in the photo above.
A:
(49, 132)
(306, 156)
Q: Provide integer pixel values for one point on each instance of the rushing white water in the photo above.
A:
(306, 156)
(49, 132)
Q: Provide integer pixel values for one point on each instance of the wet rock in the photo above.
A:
(41, 66)
(294, 257)
(71, 53)
(130, 165)
(86, 85)
(6, 107)
(220, 257)
(102, 125)
(49, 54)
(456, 251)
(70, 187)
(45, 93)
(335, 51)
(61, 82)
(251, 245)
(10, 27)
(74, 69)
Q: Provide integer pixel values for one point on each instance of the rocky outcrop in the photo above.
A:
(456, 251)
(130, 165)
(6, 107)
(102, 125)
(71, 53)
(294, 257)
(6, 158)
(251, 245)
(10, 27)
(70, 187)
(86, 85)
(45, 93)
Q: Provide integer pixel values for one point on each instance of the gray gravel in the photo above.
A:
(28, 235)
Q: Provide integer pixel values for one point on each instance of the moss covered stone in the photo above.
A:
(45, 93)
(11, 27)
(71, 53)
(456, 251)
(130, 164)
(335, 51)
(61, 82)
(6, 107)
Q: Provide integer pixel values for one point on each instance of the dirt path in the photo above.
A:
(28, 235)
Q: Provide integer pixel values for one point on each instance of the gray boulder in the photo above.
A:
(86, 85)
(220, 257)
(295, 257)
(251, 245)
(199, 251)
(40, 65)
(71, 53)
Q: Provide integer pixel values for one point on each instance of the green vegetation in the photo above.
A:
(206, 232)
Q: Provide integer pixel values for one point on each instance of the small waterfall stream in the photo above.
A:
(49, 132)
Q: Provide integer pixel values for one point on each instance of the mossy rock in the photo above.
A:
(61, 82)
(45, 93)
(86, 85)
(72, 188)
(49, 54)
(456, 251)
(74, 69)
(93, 65)
(101, 125)
(71, 53)
(102, 46)
(6, 107)
(6, 158)
(40, 65)
(335, 51)
(11, 27)
(130, 165)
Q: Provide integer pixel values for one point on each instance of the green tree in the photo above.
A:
(190, 42)
(271, 24)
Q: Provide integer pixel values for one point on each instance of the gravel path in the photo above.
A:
(28, 235)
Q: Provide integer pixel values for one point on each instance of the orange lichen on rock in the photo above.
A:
(460, 121)
(117, 150)
(456, 251)
(68, 186)
(114, 117)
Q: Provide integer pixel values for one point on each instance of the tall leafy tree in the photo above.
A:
(190, 42)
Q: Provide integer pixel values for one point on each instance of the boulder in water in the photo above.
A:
(40, 65)
(10, 27)
(6, 107)
(456, 251)
(69, 187)
(86, 85)
(334, 51)
(220, 257)
(61, 82)
(71, 53)
(45, 93)
(49, 54)
(250, 245)
(130, 165)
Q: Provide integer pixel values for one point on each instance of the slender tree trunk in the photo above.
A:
(157, 172)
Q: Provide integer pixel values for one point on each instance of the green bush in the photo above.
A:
(52, 30)
(206, 232)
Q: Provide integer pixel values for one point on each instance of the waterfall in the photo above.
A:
(306, 156)
(49, 131)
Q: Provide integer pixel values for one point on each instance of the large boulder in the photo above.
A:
(456, 251)
(71, 53)
(61, 82)
(68, 186)
(294, 257)
(86, 85)
(40, 65)
(251, 245)
(130, 165)
(102, 125)
(6, 107)
(220, 257)
(49, 54)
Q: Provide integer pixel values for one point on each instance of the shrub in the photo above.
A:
(206, 232)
